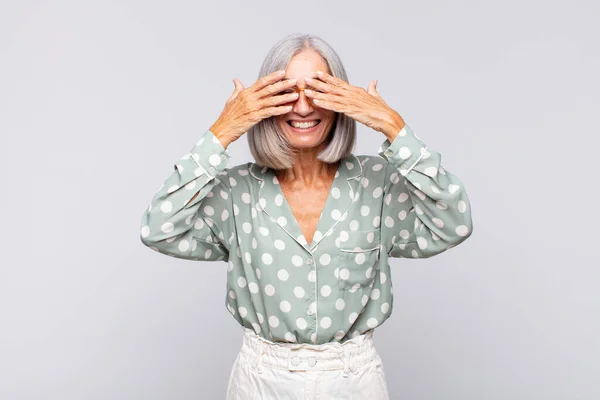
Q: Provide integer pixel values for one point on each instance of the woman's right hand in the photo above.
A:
(247, 107)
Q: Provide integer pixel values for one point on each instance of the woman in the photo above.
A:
(307, 230)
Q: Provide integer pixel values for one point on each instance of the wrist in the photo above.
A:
(220, 134)
(394, 126)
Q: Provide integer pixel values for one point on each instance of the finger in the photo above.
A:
(330, 105)
(267, 80)
(282, 99)
(313, 95)
(277, 88)
(276, 110)
(323, 87)
(332, 80)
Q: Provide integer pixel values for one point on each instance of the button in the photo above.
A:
(310, 311)
(223, 156)
(309, 261)
(211, 169)
(312, 361)
(296, 360)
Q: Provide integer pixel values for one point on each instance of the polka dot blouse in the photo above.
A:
(402, 203)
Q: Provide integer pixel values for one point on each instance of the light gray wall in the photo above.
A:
(98, 99)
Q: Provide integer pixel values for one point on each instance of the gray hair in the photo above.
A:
(268, 144)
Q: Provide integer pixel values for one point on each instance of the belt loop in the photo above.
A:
(258, 362)
(344, 357)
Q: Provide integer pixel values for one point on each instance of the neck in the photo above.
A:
(307, 169)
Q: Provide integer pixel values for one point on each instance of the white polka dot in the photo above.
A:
(289, 336)
(385, 307)
(283, 275)
(166, 206)
(325, 259)
(301, 323)
(360, 258)
(335, 192)
(325, 322)
(243, 311)
(279, 199)
(312, 276)
(352, 317)
(214, 159)
(462, 230)
(404, 153)
(267, 258)
(247, 227)
(241, 282)
(372, 322)
(325, 290)
(340, 304)
(285, 306)
(269, 290)
(336, 214)
(184, 245)
(167, 227)
(253, 287)
(299, 292)
(364, 211)
(279, 244)
(273, 321)
(297, 261)
(389, 221)
(370, 237)
(246, 198)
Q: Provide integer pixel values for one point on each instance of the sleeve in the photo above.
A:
(191, 215)
(426, 210)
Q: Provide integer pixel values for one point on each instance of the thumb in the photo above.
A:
(372, 89)
(238, 88)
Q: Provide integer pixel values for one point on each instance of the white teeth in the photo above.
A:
(304, 125)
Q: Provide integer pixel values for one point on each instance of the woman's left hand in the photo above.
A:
(365, 106)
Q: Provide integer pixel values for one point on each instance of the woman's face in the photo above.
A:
(306, 64)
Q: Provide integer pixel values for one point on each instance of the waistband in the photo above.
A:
(305, 356)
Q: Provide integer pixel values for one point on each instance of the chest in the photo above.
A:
(306, 204)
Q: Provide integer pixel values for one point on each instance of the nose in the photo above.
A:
(303, 105)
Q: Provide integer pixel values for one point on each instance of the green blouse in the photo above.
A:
(402, 203)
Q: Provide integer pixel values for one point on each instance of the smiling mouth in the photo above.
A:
(290, 124)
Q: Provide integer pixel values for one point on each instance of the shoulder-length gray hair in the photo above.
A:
(268, 144)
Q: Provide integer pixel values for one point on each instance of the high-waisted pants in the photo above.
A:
(269, 370)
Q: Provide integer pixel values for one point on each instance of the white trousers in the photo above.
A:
(266, 370)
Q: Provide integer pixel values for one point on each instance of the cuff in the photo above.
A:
(405, 151)
(209, 155)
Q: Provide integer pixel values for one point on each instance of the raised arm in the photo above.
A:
(426, 209)
(191, 215)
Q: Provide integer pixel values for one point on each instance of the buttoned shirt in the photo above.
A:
(400, 203)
